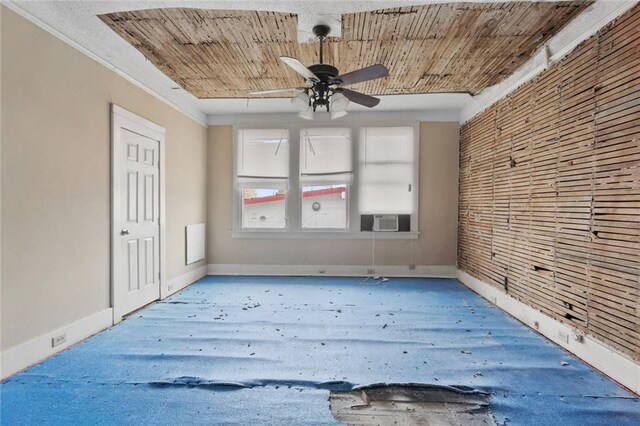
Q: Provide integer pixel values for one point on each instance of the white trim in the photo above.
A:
(200, 118)
(19, 357)
(325, 235)
(181, 281)
(370, 118)
(163, 214)
(115, 109)
(607, 360)
(151, 130)
(423, 271)
(293, 229)
(581, 28)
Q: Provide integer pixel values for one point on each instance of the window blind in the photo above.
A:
(386, 170)
(325, 156)
(263, 155)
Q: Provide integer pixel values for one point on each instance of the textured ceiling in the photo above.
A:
(455, 47)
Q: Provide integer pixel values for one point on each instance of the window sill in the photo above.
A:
(325, 235)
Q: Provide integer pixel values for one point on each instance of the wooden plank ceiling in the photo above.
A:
(455, 47)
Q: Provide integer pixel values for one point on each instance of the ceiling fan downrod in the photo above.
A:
(321, 31)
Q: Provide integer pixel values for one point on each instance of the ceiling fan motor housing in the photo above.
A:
(325, 72)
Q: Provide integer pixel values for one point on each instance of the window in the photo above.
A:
(324, 206)
(325, 175)
(263, 176)
(329, 181)
(387, 170)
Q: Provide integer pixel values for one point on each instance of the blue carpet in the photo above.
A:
(268, 350)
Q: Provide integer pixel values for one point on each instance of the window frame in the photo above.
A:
(293, 197)
(260, 181)
(348, 185)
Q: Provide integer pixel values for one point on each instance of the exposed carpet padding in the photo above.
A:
(411, 404)
(269, 350)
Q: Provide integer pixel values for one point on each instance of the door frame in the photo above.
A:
(121, 117)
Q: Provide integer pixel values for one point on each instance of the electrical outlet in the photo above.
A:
(564, 337)
(578, 336)
(412, 267)
(322, 271)
(536, 325)
(58, 340)
(371, 271)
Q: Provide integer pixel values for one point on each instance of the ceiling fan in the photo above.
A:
(324, 87)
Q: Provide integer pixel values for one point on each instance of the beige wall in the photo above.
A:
(186, 187)
(437, 221)
(55, 134)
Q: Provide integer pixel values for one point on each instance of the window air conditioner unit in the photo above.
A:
(385, 223)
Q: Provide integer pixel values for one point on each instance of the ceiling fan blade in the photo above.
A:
(364, 74)
(268, 92)
(360, 98)
(299, 68)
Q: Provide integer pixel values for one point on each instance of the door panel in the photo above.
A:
(132, 264)
(136, 227)
(149, 251)
(149, 192)
(132, 152)
(148, 156)
(132, 197)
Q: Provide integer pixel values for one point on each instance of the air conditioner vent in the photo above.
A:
(385, 223)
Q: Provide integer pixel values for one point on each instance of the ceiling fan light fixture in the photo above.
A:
(306, 114)
(324, 89)
(300, 101)
(337, 114)
(339, 102)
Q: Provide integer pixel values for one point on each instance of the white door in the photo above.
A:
(136, 213)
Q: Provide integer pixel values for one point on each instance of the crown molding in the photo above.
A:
(195, 114)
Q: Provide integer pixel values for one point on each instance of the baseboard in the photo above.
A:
(181, 281)
(19, 357)
(447, 271)
(595, 353)
(27, 354)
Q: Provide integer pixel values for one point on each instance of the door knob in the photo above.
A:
(124, 232)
